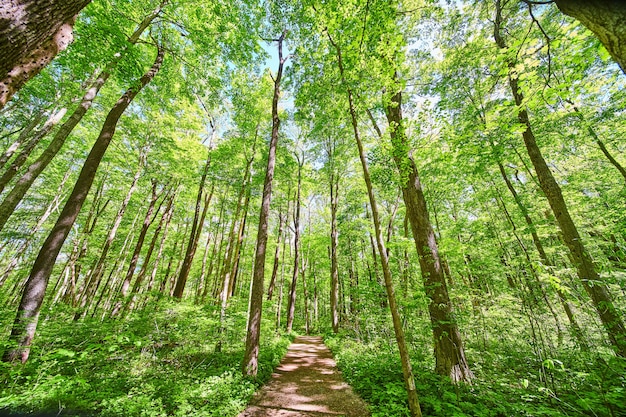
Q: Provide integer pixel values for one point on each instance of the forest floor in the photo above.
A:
(307, 383)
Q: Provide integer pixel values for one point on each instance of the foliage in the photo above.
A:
(159, 362)
(577, 385)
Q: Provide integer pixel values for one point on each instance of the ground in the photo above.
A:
(307, 383)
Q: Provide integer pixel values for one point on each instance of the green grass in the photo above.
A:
(161, 362)
(507, 384)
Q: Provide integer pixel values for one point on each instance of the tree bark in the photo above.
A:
(587, 272)
(250, 363)
(449, 352)
(32, 33)
(19, 160)
(407, 371)
(605, 18)
(25, 322)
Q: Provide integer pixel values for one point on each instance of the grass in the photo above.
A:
(161, 362)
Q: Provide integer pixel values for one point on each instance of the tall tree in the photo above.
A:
(250, 364)
(449, 352)
(583, 262)
(407, 371)
(27, 317)
(196, 231)
(291, 303)
(23, 184)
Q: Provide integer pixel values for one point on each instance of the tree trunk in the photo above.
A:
(93, 281)
(52, 207)
(23, 184)
(291, 304)
(32, 33)
(167, 217)
(569, 311)
(281, 221)
(250, 364)
(24, 133)
(449, 352)
(587, 272)
(407, 371)
(196, 230)
(28, 311)
(605, 18)
(19, 160)
(334, 244)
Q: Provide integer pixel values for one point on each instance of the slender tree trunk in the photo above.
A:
(134, 259)
(71, 270)
(291, 304)
(449, 352)
(23, 184)
(24, 133)
(32, 298)
(569, 311)
(93, 281)
(19, 160)
(334, 244)
(19, 253)
(111, 286)
(407, 371)
(599, 142)
(587, 272)
(281, 283)
(250, 364)
(169, 212)
(234, 273)
(196, 230)
(281, 221)
(32, 33)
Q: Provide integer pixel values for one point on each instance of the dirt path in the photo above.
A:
(306, 384)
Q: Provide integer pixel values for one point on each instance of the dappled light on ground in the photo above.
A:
(307, 383)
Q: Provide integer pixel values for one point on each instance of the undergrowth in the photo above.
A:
(161, 362)
(507, 384)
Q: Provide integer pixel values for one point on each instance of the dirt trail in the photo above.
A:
(307, 383)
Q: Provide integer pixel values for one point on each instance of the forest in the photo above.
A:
(436, 187)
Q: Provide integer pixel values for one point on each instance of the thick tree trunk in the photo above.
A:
(250, 363)
(34, 292)
(605, 18)
(32, 33)
(449, 353)
(587, 272)
(23, 184)
(407, 371)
